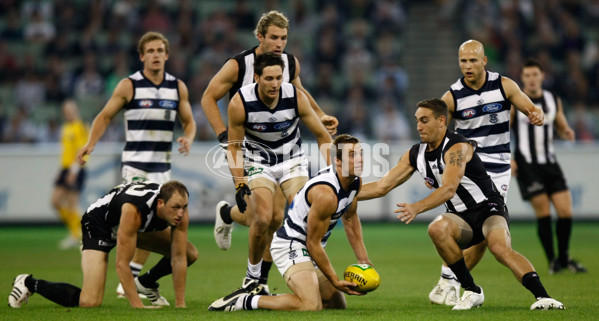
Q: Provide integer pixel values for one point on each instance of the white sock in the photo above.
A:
(135, 268)
(253, 270)
(254, 302)
(447, 273)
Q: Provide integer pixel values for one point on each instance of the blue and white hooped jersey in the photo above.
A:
(296, 223)
(271, 135)
(149, 121)
(483, 115)
(535, 143)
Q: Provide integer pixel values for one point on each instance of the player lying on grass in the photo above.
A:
(298, 246)
(475, 209)
(153, 217)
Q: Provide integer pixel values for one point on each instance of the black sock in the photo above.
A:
(463, 274)
(162, 268)
(532, 282)
(225, 214)
(62, 293)
(546, 236)
(264, 270)
(247, 302)
(563, 229)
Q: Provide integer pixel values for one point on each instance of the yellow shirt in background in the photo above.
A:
(73, 137)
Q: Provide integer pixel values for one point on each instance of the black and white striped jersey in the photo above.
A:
(245, 76)
(535, 143)
(106, 211)
(296, 223)
(483, 115)
(475, 187)
(149, 121)
(271, 135)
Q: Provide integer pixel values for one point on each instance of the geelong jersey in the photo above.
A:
(245, 76)
(483, 115)
(73, 136)
(271, 135)
(296, 223)
(535, 143)
(106, 211)
(475, 187)
(149, 122)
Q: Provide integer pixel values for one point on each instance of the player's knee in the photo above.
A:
(261, 223)
(499, 250)
(311, 305)
(437, 230)
(86, 302)
(192, 254)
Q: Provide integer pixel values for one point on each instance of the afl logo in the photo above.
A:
(167, 104)
(283, 125)
(468, 113)
(492, 108)
(146, 103)
(259, 127)
(430, 181)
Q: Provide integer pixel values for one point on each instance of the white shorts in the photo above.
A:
(131, 174)
(287, 253)
(295, 167)
(502, 182)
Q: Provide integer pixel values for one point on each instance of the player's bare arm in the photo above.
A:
(324, 204)
(448, 99)
(353, 231)
(122, 94)
(218, 87)
(398, 175)
(329, 122)
(309, 118)
(561, 124)
(179, 258)
(126, 242)
(455, 159)
(236, 135)
(522, 102)
(187, 120)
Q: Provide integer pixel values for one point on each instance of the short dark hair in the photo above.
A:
(339, 141)
(532, 63)
(438, 106)
(169, 188)
(267, 59)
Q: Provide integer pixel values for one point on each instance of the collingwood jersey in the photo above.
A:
(149, 123)
(535, 143)
(245, 76)
(475, 187)
(296, 224)
(483, 115)
(106, 211)
(271, 135)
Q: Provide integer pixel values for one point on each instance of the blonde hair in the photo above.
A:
(271, 18)
(151, 36)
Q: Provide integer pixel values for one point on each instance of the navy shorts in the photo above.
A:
(61, 180)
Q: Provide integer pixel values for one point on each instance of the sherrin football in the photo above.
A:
(364, 275)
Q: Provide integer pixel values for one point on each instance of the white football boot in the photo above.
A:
(120, 293)
(470, 300)
(152, 294)
(447, 292)
(547, 304)
(20, 293)
(222, 230)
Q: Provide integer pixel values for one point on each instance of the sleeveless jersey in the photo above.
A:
(483, 115)
(106, 211)
(296, 223)
(535, 143)
(73, 136)
(245, 76)
(271, 135)
(475, 187)
(149, 121)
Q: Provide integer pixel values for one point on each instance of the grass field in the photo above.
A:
(403, 256)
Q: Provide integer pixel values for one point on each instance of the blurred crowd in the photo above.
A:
(350, 53)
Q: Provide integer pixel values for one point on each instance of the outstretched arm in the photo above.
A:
(522, 102)
(218, 87)
(402, 171)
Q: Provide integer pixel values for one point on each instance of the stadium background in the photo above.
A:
(366, 62)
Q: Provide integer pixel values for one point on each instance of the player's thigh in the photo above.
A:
(303, 281)
(261, 201)
(497, 233)
(93, 265)
(455, 226)
(562, 201)
(540, 204)
(58, 195)
(293, 185)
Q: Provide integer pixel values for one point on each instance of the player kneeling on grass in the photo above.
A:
(298, 246)
(475, 209)
(153, 217)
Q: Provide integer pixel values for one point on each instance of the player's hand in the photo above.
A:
(241, 191)
(330, 123)
(83, 154)
(223, 139)
(406, 212)
(184, 145)
(568, 134)
(536, 117)
(347, 287)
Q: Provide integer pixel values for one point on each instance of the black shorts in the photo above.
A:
(477, 216)
(95, 236)
(535, 179)
(61, 180)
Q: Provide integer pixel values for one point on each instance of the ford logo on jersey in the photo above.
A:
(468, 113)
(492, 108)
(284, 125)
(259, 127)
(145, 103)
(167, 104)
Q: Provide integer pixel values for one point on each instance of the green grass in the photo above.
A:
(403, 256)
